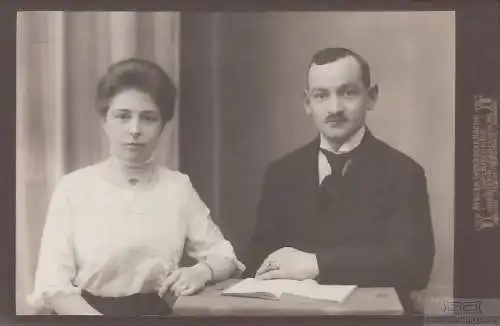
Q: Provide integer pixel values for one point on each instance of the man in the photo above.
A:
(346, 208)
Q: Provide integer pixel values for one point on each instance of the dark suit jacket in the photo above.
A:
(381, 235)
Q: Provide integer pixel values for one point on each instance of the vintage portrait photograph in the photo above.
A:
(234, 163)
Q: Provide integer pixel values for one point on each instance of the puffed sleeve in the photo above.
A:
(56, 265)
(204, 238)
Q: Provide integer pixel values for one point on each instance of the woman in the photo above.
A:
(115, 231)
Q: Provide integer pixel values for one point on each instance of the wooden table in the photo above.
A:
(363, 301)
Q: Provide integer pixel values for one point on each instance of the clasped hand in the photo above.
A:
(186, 280)
(288, 263)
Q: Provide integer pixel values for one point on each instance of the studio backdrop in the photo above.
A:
(60, 58)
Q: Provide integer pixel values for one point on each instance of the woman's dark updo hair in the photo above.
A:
(141, 75)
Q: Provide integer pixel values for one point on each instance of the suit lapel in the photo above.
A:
(362, 160)
(366, 173)
(308, 167)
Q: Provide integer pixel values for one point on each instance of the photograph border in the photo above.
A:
(476, 263)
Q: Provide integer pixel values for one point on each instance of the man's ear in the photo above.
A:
(306, 101)
(373, 95)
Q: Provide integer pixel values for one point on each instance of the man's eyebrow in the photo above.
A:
(319, 89)
(124, 110)
(348, 85)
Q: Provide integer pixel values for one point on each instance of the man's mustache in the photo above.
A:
(339, 117)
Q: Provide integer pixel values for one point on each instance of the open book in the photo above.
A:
(274, 289)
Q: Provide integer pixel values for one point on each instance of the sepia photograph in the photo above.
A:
(234, 163)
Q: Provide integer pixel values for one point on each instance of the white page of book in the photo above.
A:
(307, 288)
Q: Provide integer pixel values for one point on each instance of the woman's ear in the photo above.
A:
(103, 114)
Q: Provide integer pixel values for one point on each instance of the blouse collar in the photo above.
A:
(124, 174)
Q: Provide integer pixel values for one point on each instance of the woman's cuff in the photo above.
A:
(214, 262)
(210, 270)
(222, 250)
(240, 268)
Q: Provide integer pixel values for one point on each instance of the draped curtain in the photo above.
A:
(60, 57)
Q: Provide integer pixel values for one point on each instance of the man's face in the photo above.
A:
(337, 99)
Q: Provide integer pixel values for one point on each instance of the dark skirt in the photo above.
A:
(141, 304)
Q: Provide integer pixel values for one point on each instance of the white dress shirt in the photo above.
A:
(324, 168)
(114, 240)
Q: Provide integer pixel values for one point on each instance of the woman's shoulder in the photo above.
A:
(166, 172)
(173, 176)
(80, 176)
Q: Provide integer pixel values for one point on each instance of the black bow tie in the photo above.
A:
(336, 161)
(330, 186)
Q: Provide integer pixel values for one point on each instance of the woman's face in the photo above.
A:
(133, 125)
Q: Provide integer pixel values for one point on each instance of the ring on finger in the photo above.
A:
(272, 265)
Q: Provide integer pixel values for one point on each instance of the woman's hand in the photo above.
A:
(187, 280)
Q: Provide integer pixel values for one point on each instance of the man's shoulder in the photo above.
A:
(393, 157)
(381, 151)
(296, 158)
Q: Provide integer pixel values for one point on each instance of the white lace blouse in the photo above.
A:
(115, 241)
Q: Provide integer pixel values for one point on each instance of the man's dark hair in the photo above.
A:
(141, 75)
(329, 55)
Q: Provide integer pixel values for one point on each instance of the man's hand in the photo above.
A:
(288, 263)
(186, 280)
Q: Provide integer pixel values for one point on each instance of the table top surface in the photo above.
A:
(363, 301)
